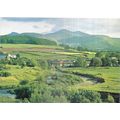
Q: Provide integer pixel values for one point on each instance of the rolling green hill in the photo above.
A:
(66, 37)
(93, 42)
(24, 39)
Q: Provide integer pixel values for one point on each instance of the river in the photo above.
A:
(5, 93)
(2, 56)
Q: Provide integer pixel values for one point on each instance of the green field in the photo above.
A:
(27, 46)
(18, 74)
(111, 75)
(62, 77)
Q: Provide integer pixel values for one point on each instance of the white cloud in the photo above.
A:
(20, 27)
(109, 27)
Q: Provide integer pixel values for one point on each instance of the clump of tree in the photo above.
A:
(23, 92)
(47, 94)
(80, 62)
(84, 96)
(107, 98)
(4, 74)
(96, 62)
(21, 61)
(43, 63)
(25, 39)
(106, 59)
(79, 48)
(39, 92)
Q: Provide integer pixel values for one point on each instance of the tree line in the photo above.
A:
(24, 39)
(101, 59)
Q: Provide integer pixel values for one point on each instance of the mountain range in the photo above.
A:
(77, 38)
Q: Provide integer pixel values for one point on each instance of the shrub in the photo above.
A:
(96, 62)
(5, 74)
(24, 82)
(84, 96)
(23, 92)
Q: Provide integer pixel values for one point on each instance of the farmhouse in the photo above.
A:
(61, 63)
(9, 56)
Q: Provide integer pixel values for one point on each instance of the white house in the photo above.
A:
(11, 56)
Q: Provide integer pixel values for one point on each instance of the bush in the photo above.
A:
(23, 92)
(5, 74)
(96, 62)
(80, 62)
(43, 64)
(110, 99)
(84, 96)
(24, 82)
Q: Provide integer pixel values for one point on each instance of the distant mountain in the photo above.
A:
(24, 39)
(13, 34)
(64, 34)
(74, 39)
(92, 42)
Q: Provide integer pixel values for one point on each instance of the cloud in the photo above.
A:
(20, 27)
(23, 19)
(35, 26)
(106, 26)
(109, 27)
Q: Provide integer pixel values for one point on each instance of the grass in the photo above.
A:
(7, 100)
(18, 74)
(28, 46)
(111, 76)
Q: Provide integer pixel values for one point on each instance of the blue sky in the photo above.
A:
(100, 26)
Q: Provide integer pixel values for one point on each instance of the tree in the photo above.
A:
(40, 79)
(96, 62)
(80, 62)
(100, 54)
(24, 82)
(43, 64)
(84, 96)
(18, 55)
(44, 93)
(110, 99)
(118, 61)
(4, 74)
(114, 62)
(30, 63)
(23, 92)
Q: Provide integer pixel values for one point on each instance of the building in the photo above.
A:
(9, 56)
(61, 63)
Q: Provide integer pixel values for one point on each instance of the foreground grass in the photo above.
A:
(7, 100)
(111, 76)
(18, 74)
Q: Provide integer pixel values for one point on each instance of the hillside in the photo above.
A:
(64, 34)
(66, 37)
(92, 42)
(24, 39)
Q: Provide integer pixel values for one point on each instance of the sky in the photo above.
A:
(110, 27)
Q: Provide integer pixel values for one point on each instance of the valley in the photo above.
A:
(54, 73)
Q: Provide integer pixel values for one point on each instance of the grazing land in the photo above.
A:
(52, 73)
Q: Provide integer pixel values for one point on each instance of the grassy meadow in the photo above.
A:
(62, 77)
(111, 75)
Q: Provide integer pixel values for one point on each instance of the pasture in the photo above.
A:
(111, 75)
